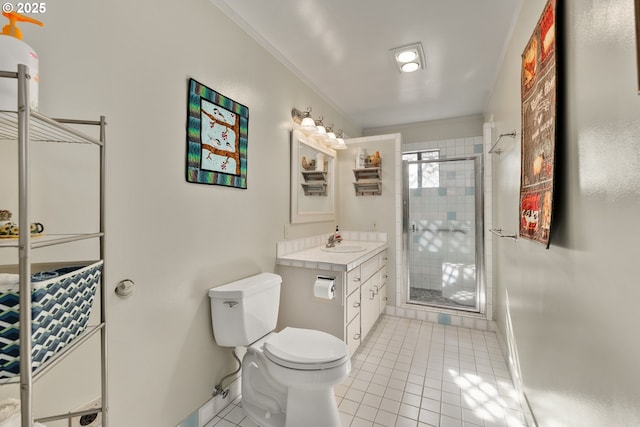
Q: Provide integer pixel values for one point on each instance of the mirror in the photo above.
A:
(313, 196)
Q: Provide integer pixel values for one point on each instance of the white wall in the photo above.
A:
(130, 61)
(574, 307)
(375, 213)
(455, 127)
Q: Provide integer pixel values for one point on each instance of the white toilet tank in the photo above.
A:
(245, 310)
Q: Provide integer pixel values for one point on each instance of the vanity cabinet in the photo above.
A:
(383, 285)
(358, 298)
(370, 291)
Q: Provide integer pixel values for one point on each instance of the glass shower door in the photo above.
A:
(443, 230)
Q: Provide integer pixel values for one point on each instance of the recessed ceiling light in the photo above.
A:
(410, 67)
(409, 58)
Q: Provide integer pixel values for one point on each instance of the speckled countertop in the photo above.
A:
(320, 259)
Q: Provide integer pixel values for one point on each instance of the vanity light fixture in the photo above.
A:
(340, 145)
(315, 129)
(320, 134)
(304, 119)
(409, 58)
(331, 137)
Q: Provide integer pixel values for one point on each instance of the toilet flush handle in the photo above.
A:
(231, 304)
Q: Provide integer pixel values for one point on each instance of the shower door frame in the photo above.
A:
(481, 289)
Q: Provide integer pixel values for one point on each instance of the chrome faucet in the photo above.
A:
(331, 242)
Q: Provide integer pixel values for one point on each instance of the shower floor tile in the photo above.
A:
(432, 296)
(420, 374)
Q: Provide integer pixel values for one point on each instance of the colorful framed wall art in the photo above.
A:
(217, 136)
(539, 128)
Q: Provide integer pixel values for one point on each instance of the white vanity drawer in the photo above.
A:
(353, 335)
(383, 275)
(382, 257)
(353, 305)
(353, 280)
(369, 267)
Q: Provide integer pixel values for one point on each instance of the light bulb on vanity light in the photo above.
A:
(340, 144)
(331, 139)
(320, 133)
(331, 136)
(307, 126)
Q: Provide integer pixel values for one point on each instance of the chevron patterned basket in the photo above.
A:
(61, 304)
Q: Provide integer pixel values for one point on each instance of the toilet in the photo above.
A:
(287, 376)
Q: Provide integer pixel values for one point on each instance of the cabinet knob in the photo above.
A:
(125, 288)
(376, 290)
(385, 276)
(356, 337)
(384, 298)
(373, 295)
(357, 279)
(356, 304)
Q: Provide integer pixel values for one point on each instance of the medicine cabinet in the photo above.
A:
(313, 195)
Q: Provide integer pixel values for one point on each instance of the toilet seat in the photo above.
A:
(305, 349)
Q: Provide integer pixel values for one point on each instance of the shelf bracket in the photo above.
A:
(494, 148)
(498, 232)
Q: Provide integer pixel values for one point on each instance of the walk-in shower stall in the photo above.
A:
(443, 230)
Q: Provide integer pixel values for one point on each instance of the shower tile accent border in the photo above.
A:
(443, 316)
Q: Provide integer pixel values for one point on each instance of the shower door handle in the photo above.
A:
(413, 228)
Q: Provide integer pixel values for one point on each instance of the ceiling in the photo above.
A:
(341, 48)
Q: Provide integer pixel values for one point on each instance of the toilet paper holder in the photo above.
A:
(326, 279)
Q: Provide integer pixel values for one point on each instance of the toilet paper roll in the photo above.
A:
(324, 288)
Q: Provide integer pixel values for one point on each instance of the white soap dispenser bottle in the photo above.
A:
(14, 51)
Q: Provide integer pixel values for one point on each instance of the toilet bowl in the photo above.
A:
(288, 379)
(287, 376)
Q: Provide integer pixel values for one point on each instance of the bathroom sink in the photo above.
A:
(344, 249)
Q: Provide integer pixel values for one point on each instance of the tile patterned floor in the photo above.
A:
(411, 373)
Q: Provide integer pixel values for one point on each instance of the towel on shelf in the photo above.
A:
(9, 279)
(10, 414)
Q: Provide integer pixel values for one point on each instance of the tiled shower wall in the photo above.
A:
(443, 252)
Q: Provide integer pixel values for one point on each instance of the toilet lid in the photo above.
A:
(305, 349)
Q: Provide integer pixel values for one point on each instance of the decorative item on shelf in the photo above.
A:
(308, 165)
(321, 163)
(373, 161)
(5, 223)
(368, 176)
(360, 158)
(10, 230)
